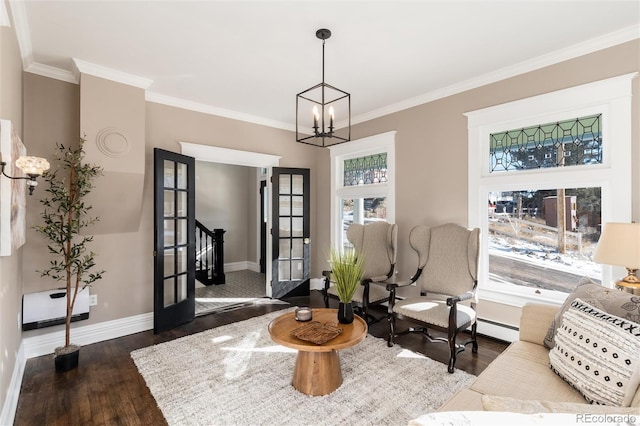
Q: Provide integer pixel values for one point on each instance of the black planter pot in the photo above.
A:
(67, 361)
(345, 313)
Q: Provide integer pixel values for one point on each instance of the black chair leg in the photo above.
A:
(365, 311)
(392, 330)
(474, 347)
(452, 350)
(325, 292)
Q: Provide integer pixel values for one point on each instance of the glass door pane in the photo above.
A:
(291, 267)
(174, 241)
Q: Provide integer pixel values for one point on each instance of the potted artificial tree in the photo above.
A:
(346, 270)
(65, 215)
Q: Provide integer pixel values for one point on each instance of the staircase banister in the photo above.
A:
(213, 234)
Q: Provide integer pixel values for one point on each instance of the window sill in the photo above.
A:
(518, 296)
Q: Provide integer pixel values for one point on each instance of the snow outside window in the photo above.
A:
(544, 174)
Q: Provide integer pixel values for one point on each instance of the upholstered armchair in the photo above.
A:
(377, 241)
(447, 278)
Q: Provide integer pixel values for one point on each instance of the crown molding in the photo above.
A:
(21, 26)
(18, 12)
(84, 67)
(609, 40)
(212, 110)
(52, 72)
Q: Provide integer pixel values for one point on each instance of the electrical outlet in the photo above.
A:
(93, 299)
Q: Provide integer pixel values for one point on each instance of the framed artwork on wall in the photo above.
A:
(12, 192)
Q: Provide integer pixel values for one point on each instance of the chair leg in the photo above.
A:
(325, 293)
(453, 350)
(474, 347)
(365, 310)
(391, 319)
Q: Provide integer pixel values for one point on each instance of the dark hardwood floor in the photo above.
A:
(106, 388)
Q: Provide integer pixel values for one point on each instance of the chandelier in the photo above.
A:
(323, 112)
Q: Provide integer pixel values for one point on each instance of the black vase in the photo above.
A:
(345, 313)
(67, 361)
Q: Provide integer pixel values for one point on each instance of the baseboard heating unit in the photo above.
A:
(47, 308)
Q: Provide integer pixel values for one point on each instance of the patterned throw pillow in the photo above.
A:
(598, 354)
(610, 300)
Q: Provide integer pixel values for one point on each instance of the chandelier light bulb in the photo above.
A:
(331, 116)
(316, 116)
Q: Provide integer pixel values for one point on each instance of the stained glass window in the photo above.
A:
(571, 142)
(371, 169)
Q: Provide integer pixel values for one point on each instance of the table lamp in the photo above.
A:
(619, 244)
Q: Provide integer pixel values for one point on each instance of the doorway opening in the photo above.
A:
(245, 281)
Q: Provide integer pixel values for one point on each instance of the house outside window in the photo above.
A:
(362, 184)
(544, 174)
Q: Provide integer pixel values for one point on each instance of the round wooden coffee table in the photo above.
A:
(317, 370)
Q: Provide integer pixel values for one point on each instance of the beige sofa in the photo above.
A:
(520, 380)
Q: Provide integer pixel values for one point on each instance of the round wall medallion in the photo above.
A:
(112, 142)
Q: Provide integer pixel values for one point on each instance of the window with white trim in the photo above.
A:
(544, 174)
(362, 185)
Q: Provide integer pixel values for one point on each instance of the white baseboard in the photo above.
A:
(44, 344)
(497, 330)
(241, 266)
(253, 266)
(316, 284)
(10, 405)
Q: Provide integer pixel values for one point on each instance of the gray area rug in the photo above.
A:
(236, 375)
(242, 288)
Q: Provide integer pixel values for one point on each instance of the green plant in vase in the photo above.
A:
(347, 268)
(65, 216)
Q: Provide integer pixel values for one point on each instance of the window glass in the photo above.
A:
(368, 170)
(531, 246)
(362, 183)
(564, 143)
(522, 167)
(363, 211)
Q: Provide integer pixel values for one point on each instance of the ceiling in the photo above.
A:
(248, 59)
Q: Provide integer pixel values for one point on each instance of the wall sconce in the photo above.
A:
(31, 166)
(619, 245)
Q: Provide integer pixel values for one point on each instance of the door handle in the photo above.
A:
(306, 240)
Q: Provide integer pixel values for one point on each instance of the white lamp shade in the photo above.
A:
(619, 244)
(32, 165)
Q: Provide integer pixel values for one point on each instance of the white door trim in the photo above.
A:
(237, 157)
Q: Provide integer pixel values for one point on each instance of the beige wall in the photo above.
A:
(51, 115)
(431, 149)
(10, 266)
(224, 194)
(112, 120)
(127, 286)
